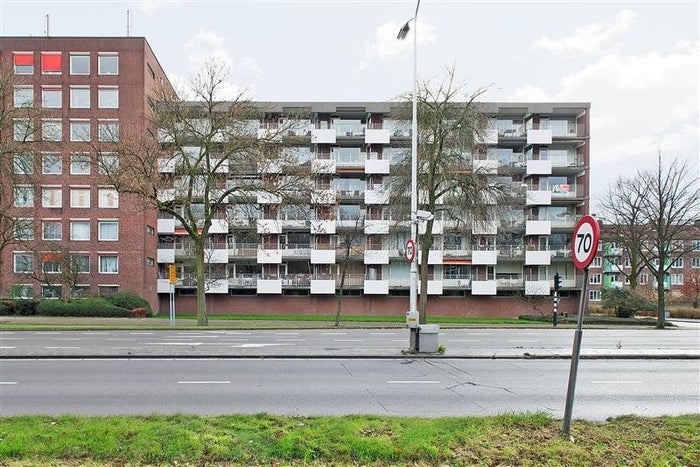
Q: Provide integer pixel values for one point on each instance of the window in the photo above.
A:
(108, 131)
(51, 230)
(107, 198)
(23, 263)
(108, 64)
(676, 279)
(79, 63)
(24, 163)
(50, 291)
(695, 262)
(23, 96)
(23, 130)
(51, 163)
(643, 279)
(108, 97)
(80, 97)
(51, 197)
(109, 264)
(678, 263)
(80, 262)
(628, 262)
(80, 291)
(108, 231)
(51, 63)
(80, 130)
(49, 265)
(80, 197)
(107, 162)
(22, 291)
(51, 97)
(594, 295)
(80, 164)
(51, 130)
(696, 245)
(23, 63)
(24, 229)
(150, 262)
(80, 231)
(107, 290)
(595, 278)
(24, 196)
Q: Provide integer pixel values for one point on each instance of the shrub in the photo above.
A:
(19, 307)
(139, 312)
(130, 301)
(92, 307)
(5, 310)
(625, 302)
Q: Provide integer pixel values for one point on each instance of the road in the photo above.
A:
(349, 342)
(307, 386)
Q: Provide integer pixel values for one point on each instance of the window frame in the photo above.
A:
(30, 199)
(107, 91)
(108, 131)
(56, 198)
(80, 164)
(26, 67)
(105, 223)
(51, 91)
(103, 59)
(79, 55)
(46, 61)
(78, 94)
(74, 224)
(78, 133)
(101, 267)
(47, 226)
(105, 194)
(80, 193)
(24, 101)
(29, 262)
(23, 163)
(57, 161)
(46, 123)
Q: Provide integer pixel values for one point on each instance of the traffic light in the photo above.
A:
(557, 282)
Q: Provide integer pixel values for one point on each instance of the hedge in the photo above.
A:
(88, 307)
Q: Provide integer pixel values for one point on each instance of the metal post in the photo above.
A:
(576, 351)
(556, 308)
(172, 304)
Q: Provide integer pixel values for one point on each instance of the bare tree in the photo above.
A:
(58, 267)
(652, 214)
(451, 129)
(348, 243)
(208, 156)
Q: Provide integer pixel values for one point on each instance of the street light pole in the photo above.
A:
(413, 279)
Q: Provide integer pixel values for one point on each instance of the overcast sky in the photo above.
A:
(636, 62)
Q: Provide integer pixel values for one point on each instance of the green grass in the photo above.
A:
(529, 439)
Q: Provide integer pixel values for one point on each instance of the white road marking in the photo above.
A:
(172, 343)
(348, 340)
(47, 332)
(334, 333)
(120, 339)
(204, 382)
(11, 338)
(412, 382)
(286, 334)
(7, 348)
(382, 333)
(141, 333)
(94, 333)
(8, 382)
(616, 382)
(56, 348)
(66, 338)
(247, 346)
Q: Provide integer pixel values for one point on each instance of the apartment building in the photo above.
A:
(276, 258)
(86, 92)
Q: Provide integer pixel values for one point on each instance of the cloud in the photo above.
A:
(151, 6)
(640, 104)
(385, 45)
(588, 39)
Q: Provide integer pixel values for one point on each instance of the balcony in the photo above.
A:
(538, 227)
(375, 134)
(243, 250)
(484, 286)
(218, 226)
(538, 197)
(485, 166)
(323, 166)
(166, 253)
(484, 227)
(216, 253)
(379, 227)
(537, 287)
(244, 281)
(321, 256)
(567, 191)
(268, 198)
(510, 251)
(376, 257)
(538, 258)
(323, 136)
(438, 227)
(484, 257)
(376, 195)
(322, 286)
(268, 226)
(296, 251)
(376, 287)
(269, 256)
(322, 226)
(348, 129)
(537, 136)
(323, 197)
(269, 286)
(376, 166)
(539, 167)
(166, 225)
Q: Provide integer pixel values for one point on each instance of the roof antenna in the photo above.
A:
(128, 23)
(47, 26)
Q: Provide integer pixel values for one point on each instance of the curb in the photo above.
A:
(350, 356)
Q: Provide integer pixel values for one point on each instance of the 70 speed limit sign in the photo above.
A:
(584, 242)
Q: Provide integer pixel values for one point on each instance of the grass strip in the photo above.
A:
(527, 440)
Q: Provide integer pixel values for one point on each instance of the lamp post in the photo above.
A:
(413, 279)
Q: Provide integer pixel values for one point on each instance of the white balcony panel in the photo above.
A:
(218, 226)
(434, 257)
(376, 227)
(323, 286)
(538, 197)
(323, 197)
(268, 198)
(322, 227)
(484, 227)
(376, 197)
(438, 227)
(166, 226)
(376, 256)
(539, 136)
(376, 287)
(323, 166)
(270, 286)
(491, 135)
(216, 255)
(537, 287)
(481, 257)
(435, 287)
(166, 195)
(163, 286)
(373, 136)
(323, 136)
(377, 166)
(486, 166)
(539, 167)
(270, 256)
(166, 255)
(538, 228)
(322, 256)
(538, 258)
(217, 286)
(269, 226)
(484, 287)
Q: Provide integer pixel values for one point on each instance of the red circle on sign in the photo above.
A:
(410, 250)
(584, 242)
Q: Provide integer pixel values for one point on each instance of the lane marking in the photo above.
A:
(7, 347)
(120, 339)
(204, 382)
(382, 333)
(172, 343)
(286, 334)
(55, 348)
(334, 333)
(250, 346)
(412, 382)
(141, 333)
(616, 382)
(94, 333)
(11, 338)
(66, 339)
(8, 382)
(348, 340)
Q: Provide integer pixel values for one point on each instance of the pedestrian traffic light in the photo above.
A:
(557, 282)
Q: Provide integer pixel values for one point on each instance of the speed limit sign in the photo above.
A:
(410, 250)
(584, 243)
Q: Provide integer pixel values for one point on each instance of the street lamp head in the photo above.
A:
(403, 31)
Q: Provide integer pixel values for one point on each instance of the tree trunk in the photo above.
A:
(202, 318)
(661, 302)
(339, 298)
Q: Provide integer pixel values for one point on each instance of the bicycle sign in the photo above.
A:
(584, 242)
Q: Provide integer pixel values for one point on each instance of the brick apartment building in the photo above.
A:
(283, 262)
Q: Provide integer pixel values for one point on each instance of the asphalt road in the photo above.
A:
(488, 343)
(397, 386)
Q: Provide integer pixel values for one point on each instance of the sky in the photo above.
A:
(636, 62)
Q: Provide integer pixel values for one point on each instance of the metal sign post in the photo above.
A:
(583, 249)
(172, 276)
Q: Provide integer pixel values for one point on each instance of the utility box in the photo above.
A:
(412, 319)
(428, 338)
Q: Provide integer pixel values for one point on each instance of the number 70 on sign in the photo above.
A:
(584, 244)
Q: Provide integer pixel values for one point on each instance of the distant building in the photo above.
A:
(283, 262)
